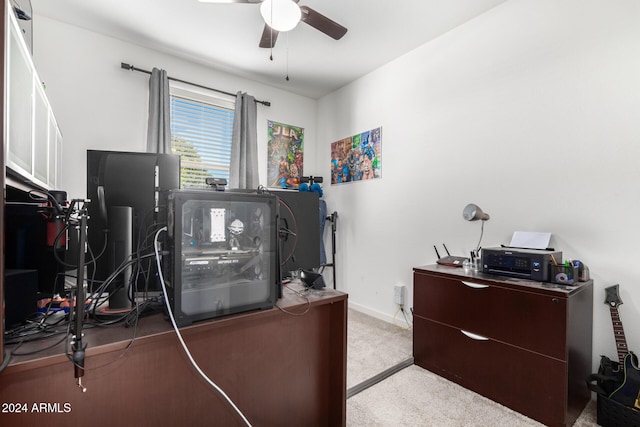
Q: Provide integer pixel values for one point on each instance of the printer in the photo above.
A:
(531, 264)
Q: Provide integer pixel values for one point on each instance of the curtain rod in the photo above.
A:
(132, 68)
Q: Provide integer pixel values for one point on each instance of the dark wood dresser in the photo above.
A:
(524, 344)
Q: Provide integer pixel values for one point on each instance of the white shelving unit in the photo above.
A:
(33, 148)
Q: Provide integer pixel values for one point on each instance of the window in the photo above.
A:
(201, 129)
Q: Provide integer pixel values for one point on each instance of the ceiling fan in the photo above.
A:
(270, 10)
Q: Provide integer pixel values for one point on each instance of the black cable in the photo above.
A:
(404, 313)
(143, 250)
(288, 231)
(28, 353)
(105, 284)
(102, 290)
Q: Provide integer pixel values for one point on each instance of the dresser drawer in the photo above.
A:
(522, 380)
(531, 320)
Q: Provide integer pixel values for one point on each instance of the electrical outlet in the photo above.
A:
(398, 294)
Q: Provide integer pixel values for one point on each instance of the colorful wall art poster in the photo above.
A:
(286, 146)
(357, 158)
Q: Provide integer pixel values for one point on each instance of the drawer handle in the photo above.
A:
(474, 336)
(475, 285)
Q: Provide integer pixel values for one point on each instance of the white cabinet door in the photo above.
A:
(20, 104)
(42, 147)
(55, 160)
(33, 148)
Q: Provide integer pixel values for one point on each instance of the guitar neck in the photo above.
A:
(618, 332)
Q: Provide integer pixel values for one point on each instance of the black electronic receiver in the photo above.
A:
(449, 260)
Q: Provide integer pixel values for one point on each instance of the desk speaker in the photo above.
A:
(20, 294)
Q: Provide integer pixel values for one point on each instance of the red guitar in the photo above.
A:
(628, 393)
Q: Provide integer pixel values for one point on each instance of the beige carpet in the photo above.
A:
(374, 345)
(415, 396)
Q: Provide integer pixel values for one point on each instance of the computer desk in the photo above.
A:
(280, 368)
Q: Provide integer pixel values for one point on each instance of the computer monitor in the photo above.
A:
(128, 192)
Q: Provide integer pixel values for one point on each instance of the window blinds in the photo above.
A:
(201, 133)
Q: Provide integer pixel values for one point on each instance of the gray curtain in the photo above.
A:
(243, 172)
(159, 129)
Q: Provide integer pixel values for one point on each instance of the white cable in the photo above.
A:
(175, 327)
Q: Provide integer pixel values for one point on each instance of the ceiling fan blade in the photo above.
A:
(269, 37)
(322, 23)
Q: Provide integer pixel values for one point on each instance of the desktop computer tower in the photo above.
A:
(299, 226)
(223, 253)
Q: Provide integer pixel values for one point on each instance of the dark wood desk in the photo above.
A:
(278, 368)
(524, 344)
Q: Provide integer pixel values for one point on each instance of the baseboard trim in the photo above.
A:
(373, 313)
(379, 377)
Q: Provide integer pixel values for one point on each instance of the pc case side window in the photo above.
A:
(224, 253)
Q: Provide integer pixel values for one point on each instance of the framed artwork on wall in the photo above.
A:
(357, 158)
(286, 154)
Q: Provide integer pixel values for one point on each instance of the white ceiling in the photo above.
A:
(226, 36)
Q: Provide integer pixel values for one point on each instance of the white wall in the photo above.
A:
(99, 105)
(530, 111)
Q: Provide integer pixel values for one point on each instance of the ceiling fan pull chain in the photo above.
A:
(271, 34)
(287, 78)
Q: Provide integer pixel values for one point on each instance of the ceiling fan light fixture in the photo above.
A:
(281, 15)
